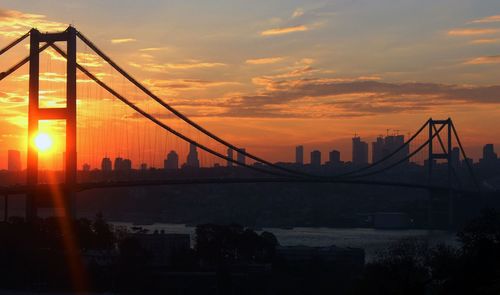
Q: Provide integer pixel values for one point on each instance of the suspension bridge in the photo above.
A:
(438, 144)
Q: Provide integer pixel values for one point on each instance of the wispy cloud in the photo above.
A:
(187, 84)
(194, 65)
(150, 49)
(472, 32)
(160, 68)
(484, 41)
(14, 23)
(492, 59)
(298, 13)
(487, 19)
(122, 40)
(263, 61)
(284, 30)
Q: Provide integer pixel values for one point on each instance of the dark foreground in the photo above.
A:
(55, 255)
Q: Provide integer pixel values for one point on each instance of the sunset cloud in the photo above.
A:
(284, 30)
(122, 40)
(15, 23)
(298, 13)
(492, 59)
(488, 19)
(472, 32)
(484, 41)
(263, 61)
(160, 68)
(151, 49)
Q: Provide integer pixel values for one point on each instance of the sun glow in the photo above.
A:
(43, 142)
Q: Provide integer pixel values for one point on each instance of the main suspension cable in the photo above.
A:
(182, 116)
(158, 122)
(402, 160)
(386, 157)
(14, 43)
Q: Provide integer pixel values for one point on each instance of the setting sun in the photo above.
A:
(43, 142)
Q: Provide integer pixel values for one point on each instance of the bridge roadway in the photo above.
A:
(23, 189)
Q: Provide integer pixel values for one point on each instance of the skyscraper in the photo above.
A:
(86, 167)
(334, 157)
(489, 152)
(192, 158)
(384, 146)
(490, 158)
(118, 164)
(299, 155)
(106, 164)
(127, 165)
(359, 151)
(230, 156)
(241, 157)
(14, 160)
(172, 161)
(378, 149)
(316, 158)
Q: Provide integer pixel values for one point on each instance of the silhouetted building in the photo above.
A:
(86, 167)
(334, 157)
(230, 156)
(316, 158)
(489, 153)
(192, 158)
(106, 165)
(385, 146)
(118, 164)
(126, 165)
(489, 156)
(144, 167)
(299, 155)
(241, 157)
(172, 161)
(14, 160)
(378, 149)
(359, 151)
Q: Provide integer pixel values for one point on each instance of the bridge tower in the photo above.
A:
(35, 114)
(435, 127)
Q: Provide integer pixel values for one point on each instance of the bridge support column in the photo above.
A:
(35, 114)
(445, 155)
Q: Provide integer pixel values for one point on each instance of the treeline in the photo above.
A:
(413, 267)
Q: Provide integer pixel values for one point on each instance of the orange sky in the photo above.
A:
(263, 76)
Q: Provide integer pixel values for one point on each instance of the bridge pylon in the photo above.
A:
(35, 114)
(434, 128)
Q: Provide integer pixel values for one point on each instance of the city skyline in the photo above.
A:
(349, 91)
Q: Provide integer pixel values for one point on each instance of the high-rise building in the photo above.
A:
(378, 149)
(334, 157)
(86, 167)
(384, 146)
(106, 165)
(299, 155)
(144, 167)
(14, 160)
(316, 158)
(118, 164)
(489, 156)
(241, 157)
(230, 156)
(359, 151)
(127, 165)
(192, 158)
(172, 161)
(489, 152)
